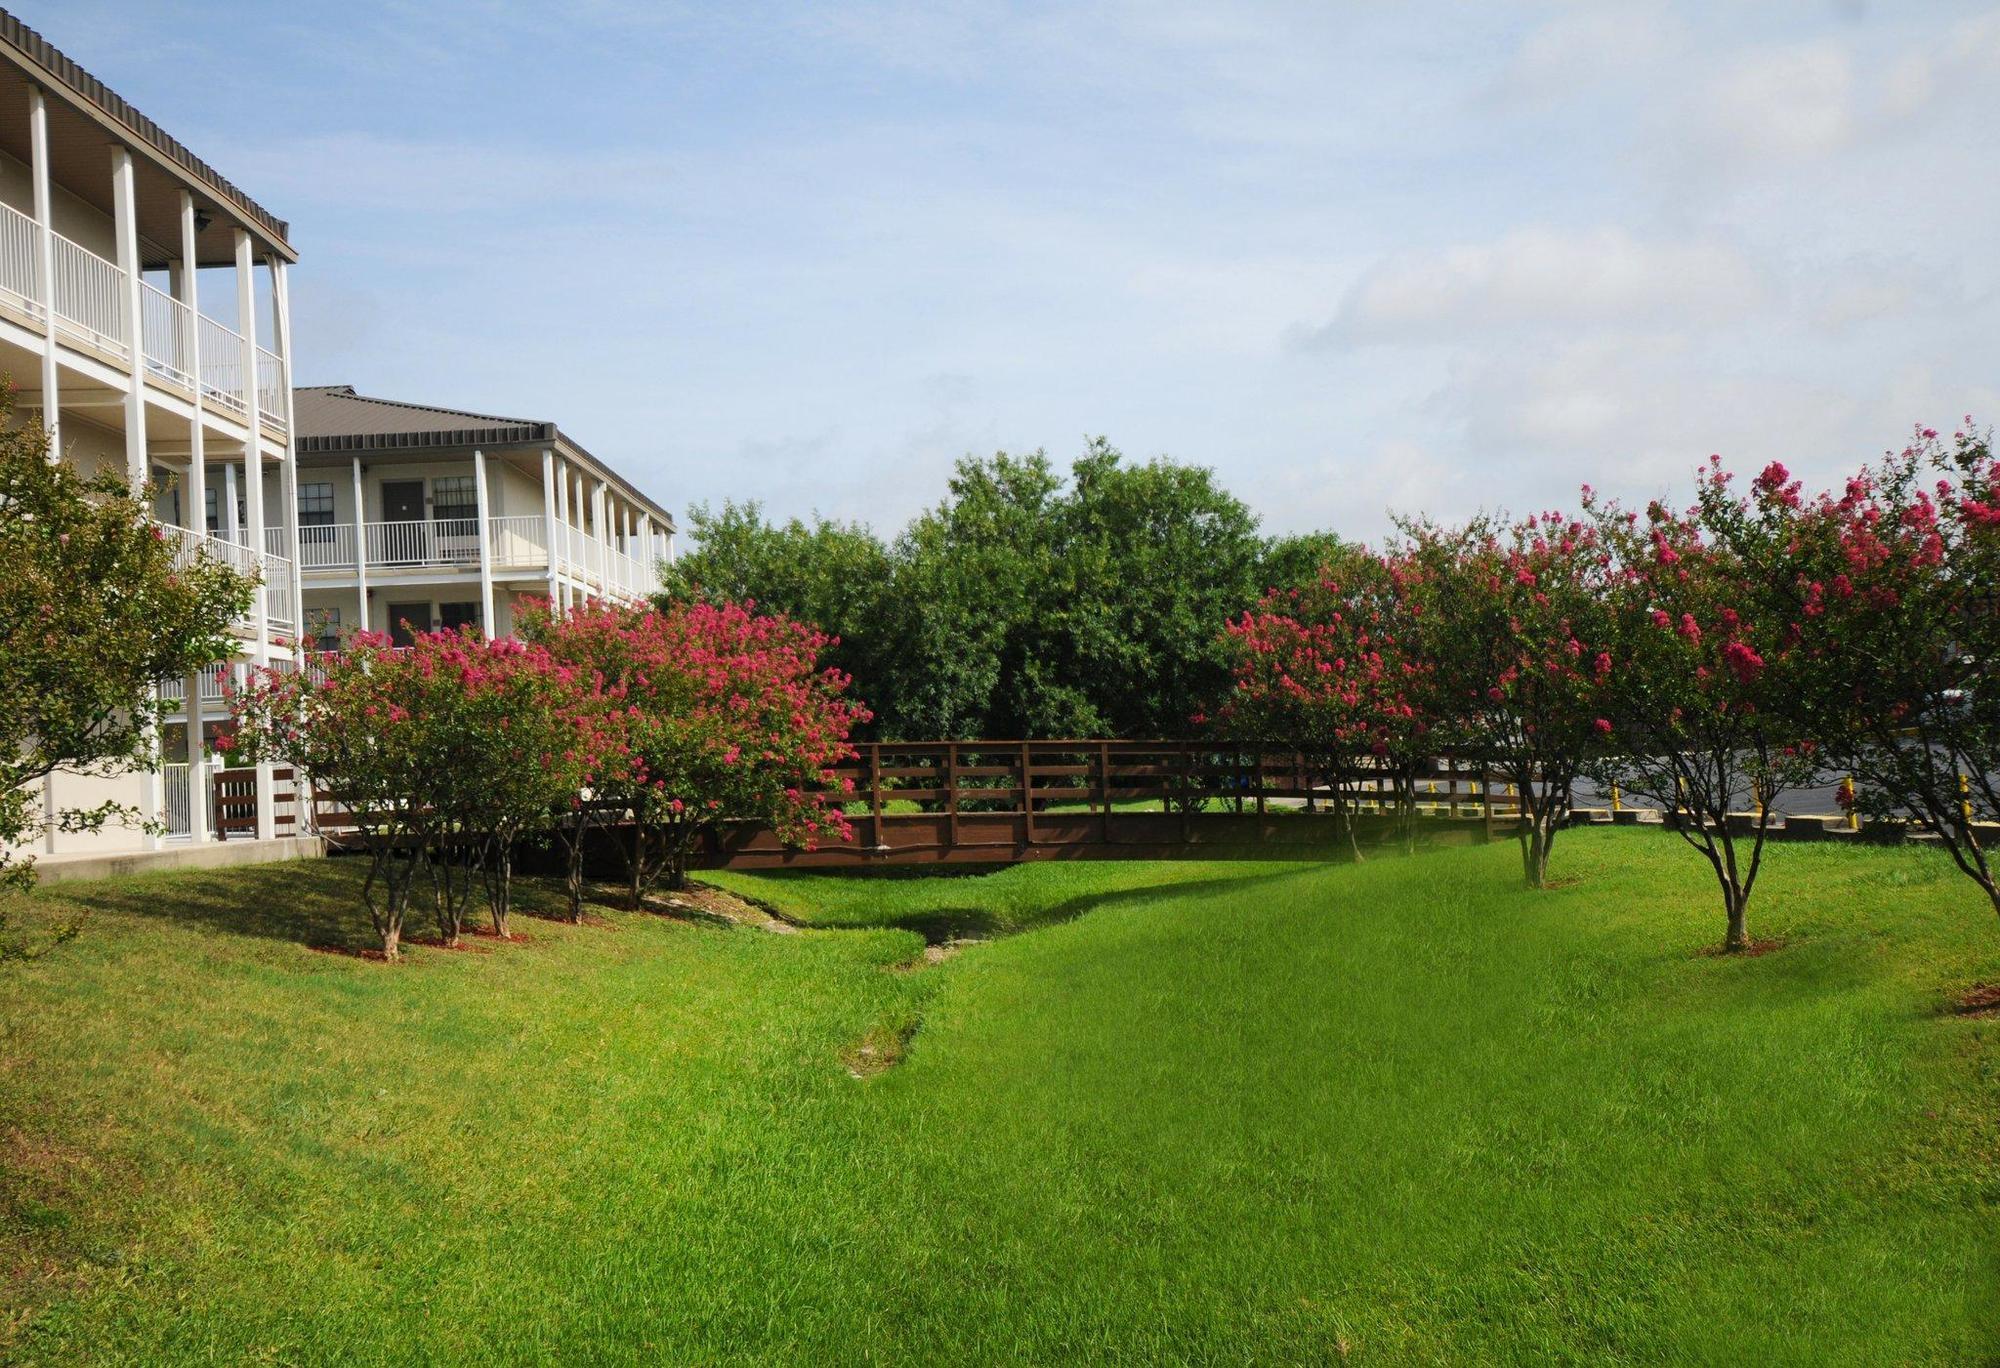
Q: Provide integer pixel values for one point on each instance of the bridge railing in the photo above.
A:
(1007, 800)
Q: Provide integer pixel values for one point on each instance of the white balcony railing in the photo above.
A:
(518, 541)
(90, 298)
(513, 544)
(270, 389)
(175, 690)
(175, 799)
(222, 366)
(166, 327)
(21, 261)
(280, 609)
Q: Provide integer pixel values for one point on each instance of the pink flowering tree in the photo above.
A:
(1326, 668)
(1894, 584)
(369, 726)
(726, 715)
(1513, 622)
(1698, 697)
(443, 753)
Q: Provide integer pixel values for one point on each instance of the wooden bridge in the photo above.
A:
(952, 802)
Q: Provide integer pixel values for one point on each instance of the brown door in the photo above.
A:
(402, 500)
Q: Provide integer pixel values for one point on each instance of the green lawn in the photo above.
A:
(1401, 1112)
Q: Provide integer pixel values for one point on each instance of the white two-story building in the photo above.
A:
(414, 517)
(144, 322)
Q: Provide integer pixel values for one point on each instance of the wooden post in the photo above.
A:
(951, 788)
(1027, 794)
(1486, 801)
(1104, 789)
(875, 791)
(1259, 754)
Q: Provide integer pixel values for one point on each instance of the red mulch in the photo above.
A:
(375, 955)
(1751, 951)
(1980, 1000)
(437, 943)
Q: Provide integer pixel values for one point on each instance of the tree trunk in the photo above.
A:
(392, 940)
(1738, 937)
(502, 889)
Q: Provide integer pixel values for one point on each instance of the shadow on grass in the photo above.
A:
(943, 925)
(314, 903)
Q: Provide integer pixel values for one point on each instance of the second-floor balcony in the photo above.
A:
(272, 570)
(511, 545)
(178, 348)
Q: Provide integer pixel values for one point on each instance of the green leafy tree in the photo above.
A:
(101, 604)
(835, 575)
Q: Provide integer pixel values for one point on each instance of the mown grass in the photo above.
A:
(1396, 1112)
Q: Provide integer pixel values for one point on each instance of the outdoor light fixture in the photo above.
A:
(201, 221)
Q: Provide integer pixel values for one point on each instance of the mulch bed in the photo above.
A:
(350, 952)
(1750, 951)
(1980, 1000)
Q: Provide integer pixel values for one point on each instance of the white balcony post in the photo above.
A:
(125, 236)
(597, 503)
(253, 473)
(484, 508)
(185, 290)
(649, 575)
(561, 548)
(360, 547)
(281, 308)
(549, 519)
(125, 229)
(45, 264)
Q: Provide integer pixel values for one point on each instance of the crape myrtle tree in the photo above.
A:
(727, 714)
(1327, 669)
(1699, 693)
(444, 753)
(1513, 621)
(101, 604)
(1894, 584)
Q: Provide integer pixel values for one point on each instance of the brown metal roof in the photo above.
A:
(43, 62)
(333, 420)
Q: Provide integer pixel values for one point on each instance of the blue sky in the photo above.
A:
(1355, 257)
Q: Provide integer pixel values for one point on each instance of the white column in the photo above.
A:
(484, 508)
(360, 546)
(125, 233)
(45, 266)
(187, 292)
(125, 238)
(603, 543)
(253, 474)
(648, 563)
(226, 525)
(281, 309)
(549, 519)
(562, 516)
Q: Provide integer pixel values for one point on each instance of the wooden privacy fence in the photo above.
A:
(983, 801)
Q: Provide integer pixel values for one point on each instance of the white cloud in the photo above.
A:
(1537, 277)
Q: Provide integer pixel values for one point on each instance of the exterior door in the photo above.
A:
(407, 619)
(406, 533)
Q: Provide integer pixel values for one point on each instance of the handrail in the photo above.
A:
(90, 297)
(166, 329)
(221, 352)
(270, 389)
(21, 259)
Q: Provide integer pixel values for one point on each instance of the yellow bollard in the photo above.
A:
(1965, 798)
(1616, 805)
(1853, 807)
